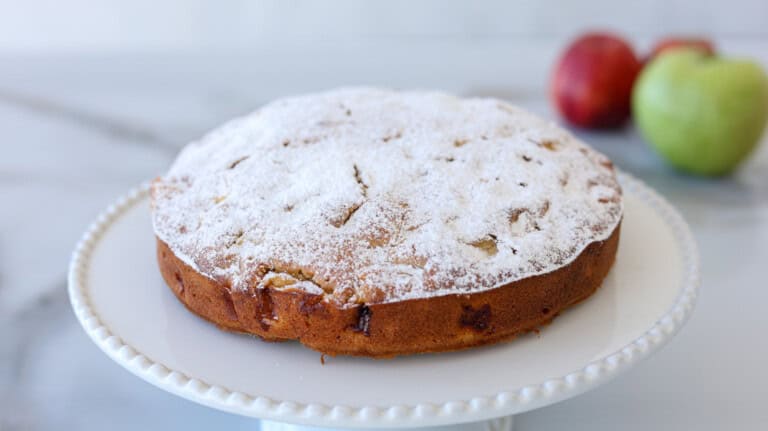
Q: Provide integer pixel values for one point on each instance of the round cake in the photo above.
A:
(379, 223)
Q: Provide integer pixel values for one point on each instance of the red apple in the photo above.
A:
(704, 45)
(592, 83)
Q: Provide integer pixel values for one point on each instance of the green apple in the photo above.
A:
(702, 113)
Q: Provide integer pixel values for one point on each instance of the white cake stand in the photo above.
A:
(120, 299)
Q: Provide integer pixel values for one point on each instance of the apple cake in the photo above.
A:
(378, 223)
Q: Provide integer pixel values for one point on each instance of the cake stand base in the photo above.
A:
(505, 423)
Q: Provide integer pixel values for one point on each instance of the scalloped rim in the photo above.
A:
(422, 414)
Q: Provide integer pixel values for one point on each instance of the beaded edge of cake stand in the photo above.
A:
(456, 411)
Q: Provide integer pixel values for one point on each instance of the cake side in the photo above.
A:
(435, 324)
(366, 196)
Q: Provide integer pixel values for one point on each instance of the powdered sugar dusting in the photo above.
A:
(369, 196)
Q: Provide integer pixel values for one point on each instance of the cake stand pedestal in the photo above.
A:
(505, 423)
(123, 305)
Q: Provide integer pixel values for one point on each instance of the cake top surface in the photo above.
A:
(370, 196)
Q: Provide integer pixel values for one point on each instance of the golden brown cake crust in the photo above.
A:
(434, 324)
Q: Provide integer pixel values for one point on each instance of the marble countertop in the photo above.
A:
(79, 130)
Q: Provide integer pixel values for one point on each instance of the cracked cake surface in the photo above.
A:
(371, 196)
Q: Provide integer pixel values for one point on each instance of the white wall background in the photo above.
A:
(81, 25)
